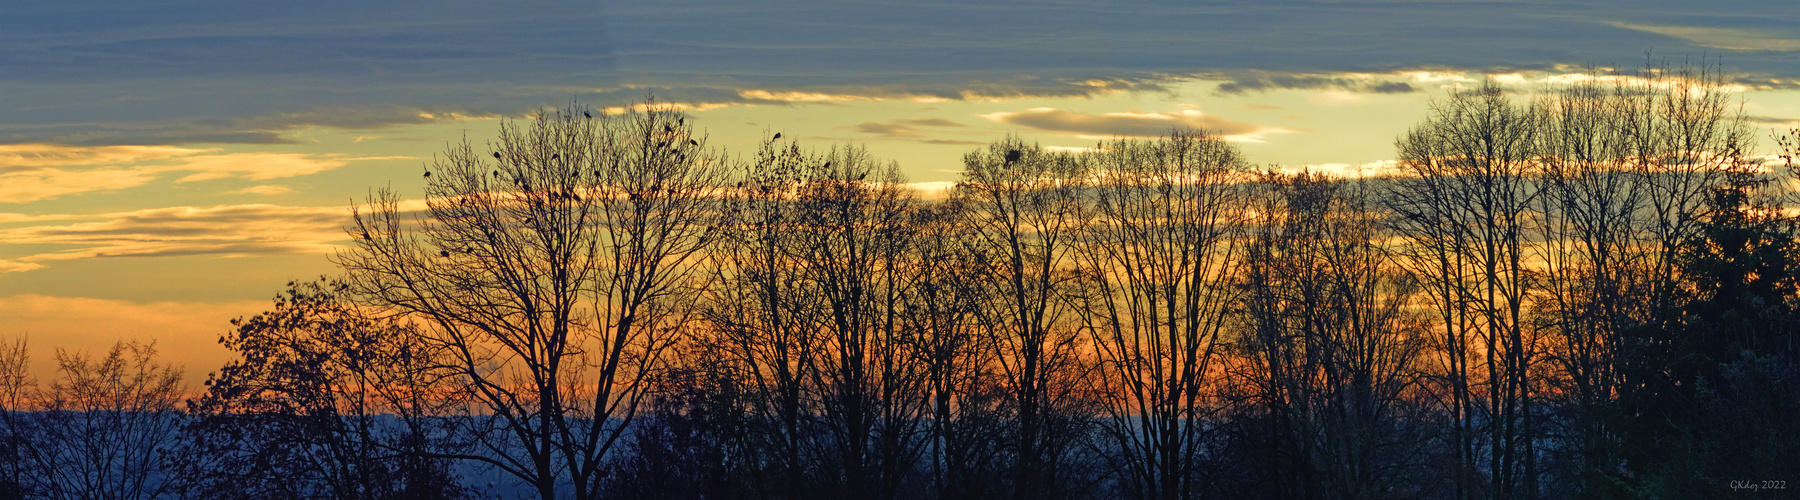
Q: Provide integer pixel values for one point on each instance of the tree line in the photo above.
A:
(1588, 292)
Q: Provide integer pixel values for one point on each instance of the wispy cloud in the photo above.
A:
(226, 230)
(1262, 82)
(13, 266)
(42, 183)
(33, 172)
(17, 156)
(1771, 120)
(1733, 38)
(263, 190)
(914, 129)
(253, 166)
(1127, 124)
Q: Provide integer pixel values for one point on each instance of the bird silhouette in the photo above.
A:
(428, 174)
(1012, 155)
(555, 156)
(496, 155)
(668, 128)
(778, 135)
(586, 114)
(692, 142)
(443, 253)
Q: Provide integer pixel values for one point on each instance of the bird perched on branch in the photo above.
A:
(778, 135)
(496, 155)
(1012, 155)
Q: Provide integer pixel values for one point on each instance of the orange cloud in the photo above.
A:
(32, 172)
(33, 184)
(226, 230)
(253, 166)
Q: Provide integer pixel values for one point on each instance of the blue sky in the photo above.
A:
(166, 165)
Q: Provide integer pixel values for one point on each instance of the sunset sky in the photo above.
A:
(168, 165)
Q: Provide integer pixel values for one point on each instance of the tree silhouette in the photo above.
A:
(324, 401)
(1159, 259)
(555, 277)
(102, 429)
(1024, 206)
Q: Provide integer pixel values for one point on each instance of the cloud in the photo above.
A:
(1128, 124)
(220, 71)
(1265, 82)
(1346, 170)
(33, 172)
(1735, 38)
(896, 130)
(16, 156)
(910, 129)
(225, 230)
(29, 185)
(1771, 120)
(13, 266)
(253, 166)
(929, 122)
(263, 190)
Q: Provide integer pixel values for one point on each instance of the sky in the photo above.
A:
(166, 166)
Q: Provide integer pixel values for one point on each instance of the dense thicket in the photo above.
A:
(1590, 292)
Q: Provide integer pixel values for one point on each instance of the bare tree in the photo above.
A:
(1332, 342)
(758, 338)
(942, 311)
(1025, 207)
(810, 309)
(854, 234)
(1160, 258)
(16, 404)
(1466, 208)
(556, 270)
(102, 427)
(1625, 168)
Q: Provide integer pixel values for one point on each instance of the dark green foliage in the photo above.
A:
(1711, 392)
